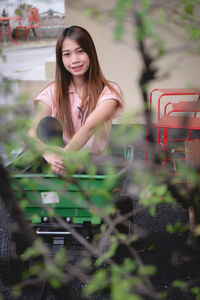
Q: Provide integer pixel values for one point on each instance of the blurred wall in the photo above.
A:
(120, 61)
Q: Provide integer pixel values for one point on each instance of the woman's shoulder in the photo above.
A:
(111, 90)
(48, 89)
(111, 87)
(113, 83)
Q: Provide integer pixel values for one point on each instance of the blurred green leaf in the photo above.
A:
(93, 12)
(162, 295)
(145, 3)
(55, 283)
(37, 249)
(108, 254)
(129, 265)
(61, 257)
(147, 270)
(196, 291)
(98, 282)
(189, 8)
(16, 291)
(178, 227)
(193, 32)
(33, 270)
(180, 284)
(119, 31)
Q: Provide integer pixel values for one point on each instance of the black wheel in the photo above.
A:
(11, 266)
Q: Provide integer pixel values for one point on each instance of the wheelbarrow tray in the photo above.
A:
(73, 197)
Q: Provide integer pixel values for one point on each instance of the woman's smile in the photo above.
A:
(77, 68)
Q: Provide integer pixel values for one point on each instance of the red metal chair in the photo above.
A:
(33, 22)
(166, 121)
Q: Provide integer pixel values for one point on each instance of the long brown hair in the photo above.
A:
(94, 78)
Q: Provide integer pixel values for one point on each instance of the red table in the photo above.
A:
(5, 24)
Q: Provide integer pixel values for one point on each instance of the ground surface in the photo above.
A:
(27, 61)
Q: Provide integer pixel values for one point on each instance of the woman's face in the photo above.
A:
(74, 58)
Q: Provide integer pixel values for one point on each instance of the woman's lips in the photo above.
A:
(78, 68)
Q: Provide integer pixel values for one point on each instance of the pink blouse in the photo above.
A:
(97, 142)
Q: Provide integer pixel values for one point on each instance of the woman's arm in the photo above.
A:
(95, 120)
(42, 111)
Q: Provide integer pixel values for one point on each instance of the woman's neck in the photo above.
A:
(79, 85)
(79, 82)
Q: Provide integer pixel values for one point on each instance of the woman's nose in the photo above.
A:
(75, 58)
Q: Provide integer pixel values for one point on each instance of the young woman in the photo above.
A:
(80, 99)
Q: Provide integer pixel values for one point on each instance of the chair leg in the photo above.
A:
(165, 146)
(158, 138)
(10, 37)
(190, 134)
(34, 32)
(39, 34)
(27, 34)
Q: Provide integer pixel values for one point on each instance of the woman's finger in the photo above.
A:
(57, 170)
(59, 161)
(59, 165)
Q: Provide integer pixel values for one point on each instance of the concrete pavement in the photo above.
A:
(27, 60)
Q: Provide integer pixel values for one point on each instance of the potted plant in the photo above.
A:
(22, 9)
(22, 12)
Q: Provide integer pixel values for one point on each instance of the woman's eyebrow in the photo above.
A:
(65, 50)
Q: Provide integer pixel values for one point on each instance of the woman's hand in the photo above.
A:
(56, 162)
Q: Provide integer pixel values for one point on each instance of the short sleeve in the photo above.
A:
(108, 94)
(47, 96)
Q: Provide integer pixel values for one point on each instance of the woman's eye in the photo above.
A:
(80, 51)
(66, 54)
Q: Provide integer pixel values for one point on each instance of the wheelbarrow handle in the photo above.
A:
(52, 232)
